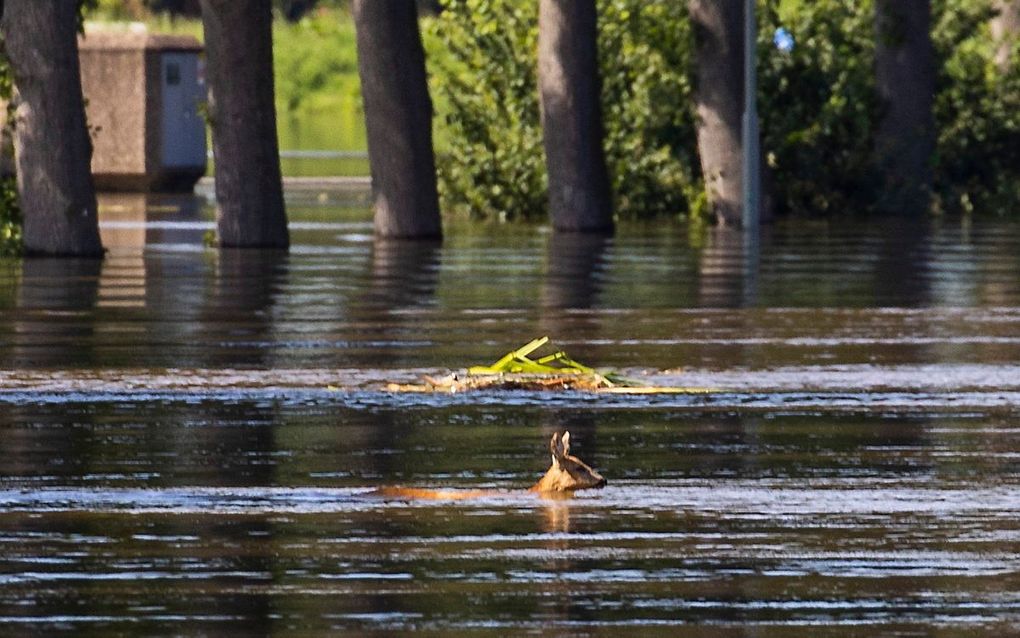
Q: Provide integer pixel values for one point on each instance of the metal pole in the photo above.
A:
(752, 152)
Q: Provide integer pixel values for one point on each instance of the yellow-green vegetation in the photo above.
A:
(519, 360)
(525, 368)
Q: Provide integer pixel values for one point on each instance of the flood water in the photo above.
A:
(173, 458)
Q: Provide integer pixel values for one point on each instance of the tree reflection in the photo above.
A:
(55, 317)
(238, 308)
(403, 279)
(728, 270)
(404, 274)
(901, 275)
(575, 271)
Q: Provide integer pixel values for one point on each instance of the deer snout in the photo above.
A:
(600, 484)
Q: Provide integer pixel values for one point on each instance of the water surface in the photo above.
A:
(188, 437)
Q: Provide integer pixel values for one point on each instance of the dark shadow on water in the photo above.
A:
(904, 257)
(728, 269)
(404, 274)
(575, 270)
(56, 312)
(238, 306)
(575, 276)
(402, 279)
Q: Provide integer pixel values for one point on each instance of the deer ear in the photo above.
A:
(556, 447)
(566, 443)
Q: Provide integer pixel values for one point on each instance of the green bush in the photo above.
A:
(977, 113)
(10, 218)
(481, 56)
(645, 58)
(316, 62)
(10, 212)
(818, 105)
(490, 159)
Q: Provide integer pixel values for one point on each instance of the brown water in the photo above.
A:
(172, 461)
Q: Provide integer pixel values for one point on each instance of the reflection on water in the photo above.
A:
(171, 455)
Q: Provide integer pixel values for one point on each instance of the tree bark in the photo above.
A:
(719, 100)
(1005, 31)
(242, 112)
(52, 146)
(398, 117)
(905, 77)
(580, 199)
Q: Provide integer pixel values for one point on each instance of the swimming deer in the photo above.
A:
(566, 475)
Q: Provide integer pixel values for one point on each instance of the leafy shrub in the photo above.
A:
(977, 113)
(10, 212)
(482, 56)
(316, 63)
(10, 218)
(647, 97)
(818, 105)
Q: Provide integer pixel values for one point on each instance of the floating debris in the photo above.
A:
(518, 370)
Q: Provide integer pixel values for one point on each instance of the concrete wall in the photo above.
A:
(122, 80)
(114, 85)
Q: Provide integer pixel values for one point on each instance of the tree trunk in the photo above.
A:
(52, 145)
(719, 99)
(905, 76)
(580, 199)
(1005, 30)
(242, 111)
(398, 116)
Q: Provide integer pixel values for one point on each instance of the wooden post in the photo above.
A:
(52, 146)
(580, 198)
(242, 113)
(398, 117)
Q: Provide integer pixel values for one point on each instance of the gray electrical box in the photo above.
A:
(144, 94)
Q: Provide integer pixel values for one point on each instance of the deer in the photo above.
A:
(566, 475)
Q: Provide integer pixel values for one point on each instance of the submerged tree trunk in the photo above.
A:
(398, 116)
(242, 112)
(1006, 31)
(580, 199)
(719, 97)
(905, 76)
(52, 146)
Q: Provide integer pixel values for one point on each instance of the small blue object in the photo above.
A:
(783, 40)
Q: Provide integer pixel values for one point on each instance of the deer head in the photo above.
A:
(567, 473)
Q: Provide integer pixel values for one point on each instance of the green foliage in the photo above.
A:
(646, 96)
(818, 105)
(10, 212)
(10, 218)
(490, 160)
(977, 113)
(481, 55)
(316, 63)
